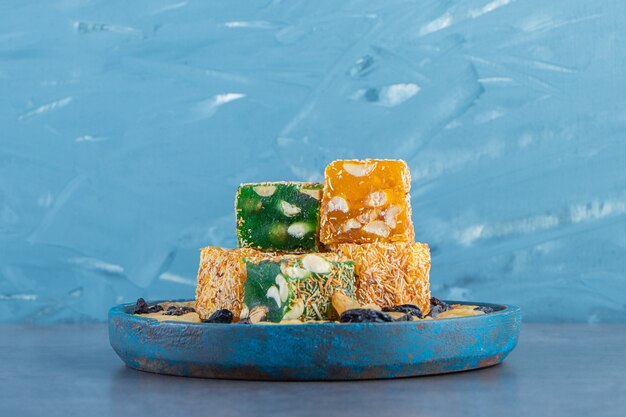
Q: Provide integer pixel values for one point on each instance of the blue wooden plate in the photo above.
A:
(316, 351)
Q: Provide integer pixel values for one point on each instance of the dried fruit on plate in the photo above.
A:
(364, 315)
(408, 309)
(220, 279)
(178, 310)
(167, 311)
(220, 316)
(460, 310)
(342, 302)
(295, 286)
(390, 274)
(278, 216)
(366, 201)
(485, 309)
(437, 307)
(141, 307)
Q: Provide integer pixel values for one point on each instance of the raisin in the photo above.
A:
(178, 310)
(141, 307)
(364, 315)
(406, 317)
(485, 309)
(220, 316)
(409, 309)
(437, 307)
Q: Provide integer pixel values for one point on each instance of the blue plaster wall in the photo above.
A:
(126, 126)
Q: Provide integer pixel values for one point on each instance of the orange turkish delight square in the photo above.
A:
(366, 201)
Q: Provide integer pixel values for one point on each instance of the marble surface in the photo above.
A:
(126, 127)
(557, 370)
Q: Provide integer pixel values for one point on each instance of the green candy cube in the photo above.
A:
(278, 216)
(295, 286)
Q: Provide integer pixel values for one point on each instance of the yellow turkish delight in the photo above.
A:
(366, 201)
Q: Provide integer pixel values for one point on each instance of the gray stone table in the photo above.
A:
(557, 370)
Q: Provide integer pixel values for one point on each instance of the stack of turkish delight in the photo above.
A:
(300, 243)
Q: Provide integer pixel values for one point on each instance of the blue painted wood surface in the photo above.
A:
(324, 351)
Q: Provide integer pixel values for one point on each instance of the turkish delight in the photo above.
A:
(278, 216)
(390, 273)
(295, 286)
(366, 201)
(220, 279)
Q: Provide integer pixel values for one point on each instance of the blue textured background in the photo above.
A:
(126, 126)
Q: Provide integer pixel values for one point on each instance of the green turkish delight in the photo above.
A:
(294, 287)
(278, 216)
